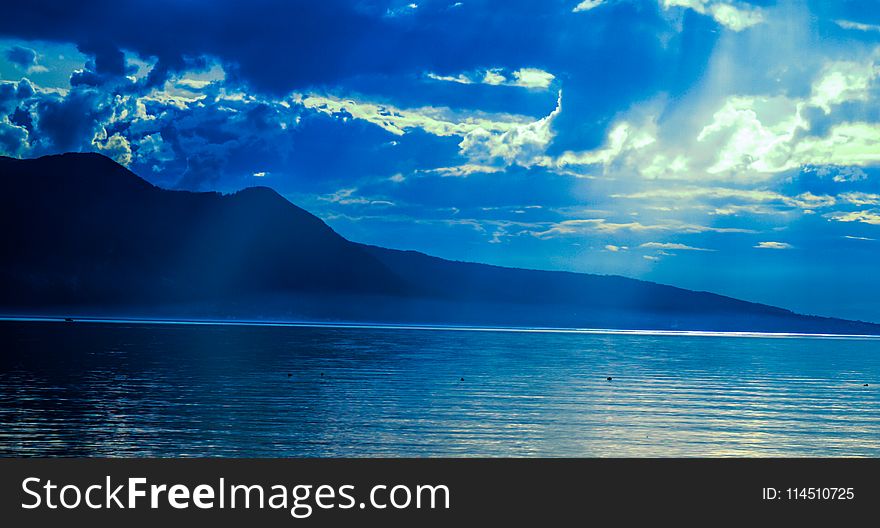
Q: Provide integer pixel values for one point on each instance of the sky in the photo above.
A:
(717, 145)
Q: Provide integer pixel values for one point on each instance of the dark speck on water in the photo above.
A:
(609, 378)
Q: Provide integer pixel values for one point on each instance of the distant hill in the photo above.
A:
(83, 235)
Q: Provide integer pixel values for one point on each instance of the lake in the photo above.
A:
(140, 389)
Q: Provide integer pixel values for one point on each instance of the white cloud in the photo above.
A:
(460, 79)
(437, 121)
(861, 198)
(773, 245)
(587, 5)
(859, 238)
(857, 26)
(747, 138)
(806, 200)
(623, 138)
(531, 78)
(494, 78)
(464, 170)
(116, 146)
(350, 197)
(734, 16)
(521, 144)
(843, 81)
(672, 246)
(871, 216)
(753, 134)
(601, 225)
(845, 144)
(841, 174)
(614, 249)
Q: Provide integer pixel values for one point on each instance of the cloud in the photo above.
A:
(734, 16)
(520, 144)
(24, 58)
(623, 139)
(601, 225)
(871, 216)
(531, 78)
(857, 26)
(804, 201)
(351, 197)
(747, 138)
(844, 81)
(460, 78)
(464, 170)
(841, 174)
(670, 245)
(860, 198)
(407, 9)
(435, 121)
(859, 238)
(116, 147)
(587, 5)
(13, 138)
(614, 249)
(773, 245)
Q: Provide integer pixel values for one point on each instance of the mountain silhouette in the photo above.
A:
(83, 235)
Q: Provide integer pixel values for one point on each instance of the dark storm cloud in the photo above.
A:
(376, 48)
(21, 56)
(279, 46)
(69, 123)
(107, 64)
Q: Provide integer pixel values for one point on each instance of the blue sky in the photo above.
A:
(710, 144)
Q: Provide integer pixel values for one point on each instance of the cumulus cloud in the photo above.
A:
(624, 139)
(116, 147)
(521, 144)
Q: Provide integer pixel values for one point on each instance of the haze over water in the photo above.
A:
(132, 389)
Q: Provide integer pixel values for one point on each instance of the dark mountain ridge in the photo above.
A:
(82, 234)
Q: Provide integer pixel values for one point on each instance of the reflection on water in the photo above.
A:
(89, 389)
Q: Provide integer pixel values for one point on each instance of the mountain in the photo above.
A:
(83, 235)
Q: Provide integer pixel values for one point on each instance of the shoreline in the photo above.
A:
(434, 327)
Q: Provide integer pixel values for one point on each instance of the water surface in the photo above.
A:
(134, 389)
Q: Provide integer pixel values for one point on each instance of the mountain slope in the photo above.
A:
(79, 228)
(82, 234)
